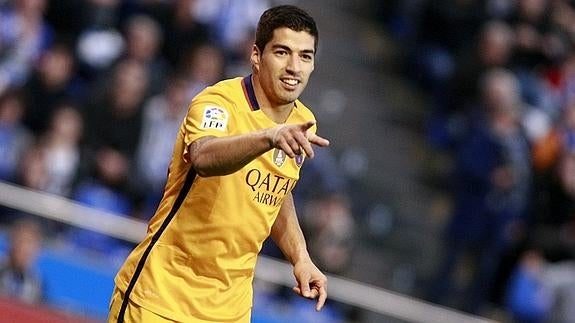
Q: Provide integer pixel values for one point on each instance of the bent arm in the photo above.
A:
(217, 156)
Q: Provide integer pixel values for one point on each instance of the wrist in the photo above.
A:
(300, 257)
(272, 136)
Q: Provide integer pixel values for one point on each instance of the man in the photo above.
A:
(18, 278)
(236, 159)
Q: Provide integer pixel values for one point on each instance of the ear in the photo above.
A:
(255, 57)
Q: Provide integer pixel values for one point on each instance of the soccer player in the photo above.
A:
(236, 160)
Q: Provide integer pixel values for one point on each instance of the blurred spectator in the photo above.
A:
(493, 50)
(542, 291)
(561, 83)
(202, 66)
(162, 117)
(538, 46)
(144, 38)
(560, 279)
(492, 186)
(100, 42)
(106, 191)
(558, 214)
(115, 113)
(563, 14)
(18, 278)
(531, 22)
(52, 81)
(61, 150)
(558, 77)
(232, 23)
(32, 172)
(330, 228)
(453, 102)
(24, 36)
(528, 299)
(325, 212)
(552, 243)
(555, 198)
(182, 31)
(14, 136)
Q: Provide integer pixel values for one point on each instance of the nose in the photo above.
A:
(294, 64)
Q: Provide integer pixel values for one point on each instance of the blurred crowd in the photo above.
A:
(92, 94)
(500, 75)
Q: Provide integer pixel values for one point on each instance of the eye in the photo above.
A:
(307, 57)
(281, 52)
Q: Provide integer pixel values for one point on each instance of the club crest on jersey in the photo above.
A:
(299, 159)
(279, 157)
(215, 118)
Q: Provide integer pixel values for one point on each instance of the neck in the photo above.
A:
(279, 113)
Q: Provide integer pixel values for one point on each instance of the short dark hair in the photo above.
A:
(287, 16)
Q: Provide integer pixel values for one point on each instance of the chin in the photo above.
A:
(287, 100)
(289, 97)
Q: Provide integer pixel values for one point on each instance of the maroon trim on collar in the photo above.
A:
(249, 92)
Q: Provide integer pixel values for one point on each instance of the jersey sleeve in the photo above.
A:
(209, 114)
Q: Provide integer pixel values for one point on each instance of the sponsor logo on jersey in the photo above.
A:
(279, 157)
(269, 189)
(215, 118)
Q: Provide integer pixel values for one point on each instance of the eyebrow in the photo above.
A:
(287, 48)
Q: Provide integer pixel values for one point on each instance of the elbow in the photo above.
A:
(204, 167)
(200, 167)
(199, 159)
(207, 161)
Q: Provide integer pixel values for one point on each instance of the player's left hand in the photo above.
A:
(311, 282)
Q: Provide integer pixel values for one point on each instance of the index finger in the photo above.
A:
(321, 299)
(317, 140)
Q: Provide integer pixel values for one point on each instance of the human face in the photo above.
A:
(283, 68)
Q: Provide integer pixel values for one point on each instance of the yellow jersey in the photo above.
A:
(196, 263)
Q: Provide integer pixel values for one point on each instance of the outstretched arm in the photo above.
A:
(214, 156)
(287, 234)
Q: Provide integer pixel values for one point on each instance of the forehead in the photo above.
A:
(295, 40)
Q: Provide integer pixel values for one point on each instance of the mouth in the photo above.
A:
(290, 83)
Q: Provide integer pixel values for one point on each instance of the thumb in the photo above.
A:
(306, 125)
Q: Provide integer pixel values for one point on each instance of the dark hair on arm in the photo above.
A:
(287, 16)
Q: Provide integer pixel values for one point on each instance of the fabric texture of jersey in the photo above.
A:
(198, 257)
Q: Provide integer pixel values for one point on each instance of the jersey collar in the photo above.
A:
(248, 87)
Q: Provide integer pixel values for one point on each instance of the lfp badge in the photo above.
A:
(215, 118)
